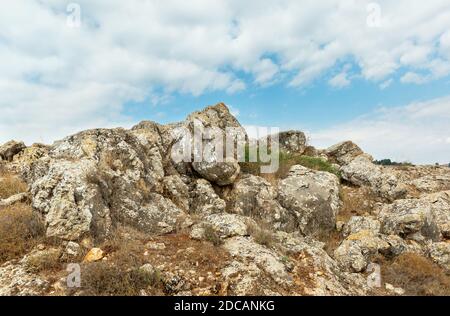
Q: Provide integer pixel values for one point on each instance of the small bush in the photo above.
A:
(417, 275)
(11, 185)
(44, 261)
(286, 161)
(104, 279)
(20, 230)
(261, 234)
(211, 235)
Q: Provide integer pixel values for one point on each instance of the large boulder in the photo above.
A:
(291, 141)
(214, 124)
(255, 197)
(413, 219)
(440, 203)
(221, 173)
(440, 253)
(204, 200)
(94, 179)
(312, 197)
(343, 153)
(361, 171)
(10, 149)
(358, 249)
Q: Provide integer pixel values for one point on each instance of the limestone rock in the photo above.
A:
(361, 171)
(440, 253)
(355, 252)
(255, 197)
(359, 223)
(312, 197)
(411, 219)
(221, 173)
(266, 259)
(204, 200)
(344, 152)
(10, 149)
(290, 141)
(16, 280)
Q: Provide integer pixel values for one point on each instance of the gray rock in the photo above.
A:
(343, 153)
(362, 172)
(359, 223)
(204, 200)
(312, 197)
(255, 197)
(411, 219)
(440, 253)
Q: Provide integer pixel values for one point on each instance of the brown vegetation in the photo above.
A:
(20, 230)
(417, 275)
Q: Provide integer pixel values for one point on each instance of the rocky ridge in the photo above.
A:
(209, 227)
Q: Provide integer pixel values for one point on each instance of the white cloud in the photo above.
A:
(417, 132)
(412, 77)
(339, 81)
(126, 51)
(386, 84)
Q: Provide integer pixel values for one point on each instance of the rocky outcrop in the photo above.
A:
(10, 149)
(291, 141)
(361, 171)
(343, 153)
(410, 219)
(312, 197)
(255, 197)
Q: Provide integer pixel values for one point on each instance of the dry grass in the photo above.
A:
(356, 202)
(261, 234)
(211, 235)
(417, 275)
(20, 230)
(11, 185)
(45, 261)
(106, 279)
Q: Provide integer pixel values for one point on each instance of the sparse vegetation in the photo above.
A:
(261, 234)
(417, 275)
(211, 235)
(10, 185)
(20, 230)
(286, 161)
(106, 279)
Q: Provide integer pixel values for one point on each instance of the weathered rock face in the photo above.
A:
(313, 197)
(255, 197)
(10, 149)
(224, 225)
(440, 253)
(221, 173)
(410, 219)
(360, 223)
(361, 171)
(94, 178)
(221, 124)
(440, 203)
(343, 153)
(204, 200)
(15, 280)
(292, 142)
(357, 250)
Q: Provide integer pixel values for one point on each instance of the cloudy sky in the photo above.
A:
(374, 72)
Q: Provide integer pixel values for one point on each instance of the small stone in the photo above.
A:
(340, 225)
(95, 254)
(147, 268)
(155, 245)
